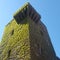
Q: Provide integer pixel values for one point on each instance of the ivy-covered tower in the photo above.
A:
(26, 37)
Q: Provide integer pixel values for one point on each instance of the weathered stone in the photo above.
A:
(26, 38)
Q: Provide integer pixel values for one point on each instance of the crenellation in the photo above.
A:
(37, 19)
(27, 11)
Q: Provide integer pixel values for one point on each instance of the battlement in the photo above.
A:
(27, 11)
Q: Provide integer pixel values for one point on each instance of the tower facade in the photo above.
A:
(26, 37)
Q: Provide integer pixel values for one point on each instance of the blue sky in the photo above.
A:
(48, 9)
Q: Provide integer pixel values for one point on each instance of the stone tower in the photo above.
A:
(26, 37)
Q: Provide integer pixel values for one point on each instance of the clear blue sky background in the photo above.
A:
(48, 9)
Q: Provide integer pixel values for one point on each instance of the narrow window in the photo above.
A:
(39, 49)
(41, 33)
(9, 53)
(12, 32)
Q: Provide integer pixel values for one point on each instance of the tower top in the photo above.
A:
(27, 11)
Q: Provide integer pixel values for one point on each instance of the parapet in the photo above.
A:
(27, 11)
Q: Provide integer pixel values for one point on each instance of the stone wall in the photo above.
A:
(41, 46)
(15, 43)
